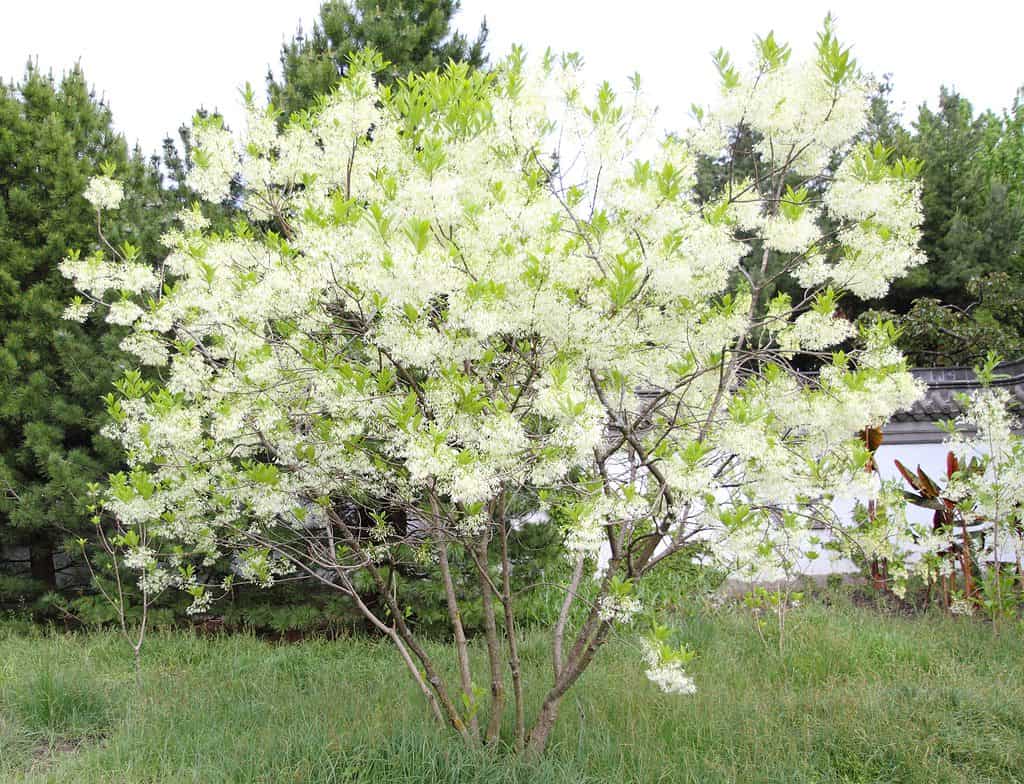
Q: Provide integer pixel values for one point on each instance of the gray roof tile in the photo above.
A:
(940, 402)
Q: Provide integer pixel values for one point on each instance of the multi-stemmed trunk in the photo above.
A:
(472, 721)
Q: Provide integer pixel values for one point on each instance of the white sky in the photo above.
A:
(156, 62)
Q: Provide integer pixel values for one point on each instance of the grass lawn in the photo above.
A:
(856, 697)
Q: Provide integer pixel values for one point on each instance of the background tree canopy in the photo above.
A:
(965, 301)
(413, 35)
(53, 137)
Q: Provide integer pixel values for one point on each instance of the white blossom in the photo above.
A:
(668, 675)
(104, 193)
(618, 609)
(792, 236)
(78, 311)
(124, 312)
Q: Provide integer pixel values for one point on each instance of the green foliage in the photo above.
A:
(1005, 161)
(967, 299)
(936, 334)
(1000, 597)
(412, 35)
(54, 135)
(290, 611)
(678, 585)
(53, 373)
(972, 197)
(769, 610)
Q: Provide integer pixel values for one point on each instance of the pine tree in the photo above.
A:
(972, 224)
(413, 35)
(53, 137)
(965, 301)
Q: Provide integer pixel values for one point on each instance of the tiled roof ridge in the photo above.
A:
(963, 377)
(944, 383)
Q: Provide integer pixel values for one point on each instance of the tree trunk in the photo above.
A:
(965, 562)
(493, 648)
(510, 630)
(558, 636)
(587, 645)
(541, 731)
(455, 619)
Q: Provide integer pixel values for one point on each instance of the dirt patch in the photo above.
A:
(46, 754)
(46, 750)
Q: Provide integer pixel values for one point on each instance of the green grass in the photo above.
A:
(856, 697)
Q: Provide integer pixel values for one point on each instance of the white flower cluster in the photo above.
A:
(800, 117)
(124, 312)
(690, 481)
(668, 675)
(988, 415)
(215, 161)
(814, 331)
(961, 607)
(618, 609)
(993, 494)
(792, 236)
(78, 311)
(104, 192)
(98, 275)
(140, 558)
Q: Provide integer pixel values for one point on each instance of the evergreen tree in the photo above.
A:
(883, 123)
(965, 301)
(937, 334)
(413, 35)
(175, 162)
(1005, 160)
(53, 137)
(973, 224)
